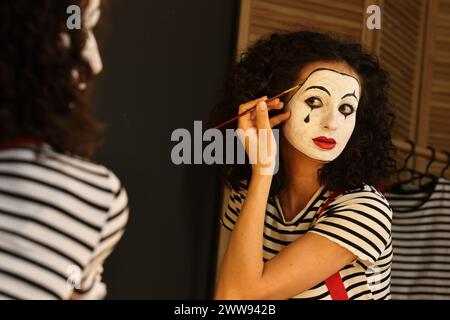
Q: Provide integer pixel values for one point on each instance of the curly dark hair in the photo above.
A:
(39, 98)
(273, 64)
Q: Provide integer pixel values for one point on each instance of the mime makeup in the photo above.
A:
(323, 114)
(90, 52)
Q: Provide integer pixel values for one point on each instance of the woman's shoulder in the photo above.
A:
(62, 169)
(88, 168)
(367, 195)
(364, 188)
(80, 162)
(359, 220)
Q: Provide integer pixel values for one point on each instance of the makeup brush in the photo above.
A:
(250, 110)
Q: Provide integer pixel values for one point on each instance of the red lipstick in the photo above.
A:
(324, 142)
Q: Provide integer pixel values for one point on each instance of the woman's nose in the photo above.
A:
(330, 120)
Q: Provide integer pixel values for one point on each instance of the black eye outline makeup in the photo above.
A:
(346, 114)
(311, 105)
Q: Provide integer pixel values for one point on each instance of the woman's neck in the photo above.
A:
(300, 170)
(301, 178)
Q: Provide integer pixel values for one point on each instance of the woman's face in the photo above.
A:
(90, 52)
(323, 110)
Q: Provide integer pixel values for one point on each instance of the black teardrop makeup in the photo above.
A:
(307, 117)
(310, 103)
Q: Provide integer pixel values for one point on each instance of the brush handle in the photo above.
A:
(253, 108)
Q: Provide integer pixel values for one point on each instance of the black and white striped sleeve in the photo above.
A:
(231, 212)
(360, 222)
(92, 286)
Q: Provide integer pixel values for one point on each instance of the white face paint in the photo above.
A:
(90, 51)
(323, 114)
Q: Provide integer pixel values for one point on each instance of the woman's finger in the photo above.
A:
(273, 103)
(274, 121)
(277, 106)
(264, 134)
(252, 115)
(248, 105)
(262, 116)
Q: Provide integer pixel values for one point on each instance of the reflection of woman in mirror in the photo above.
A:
(60, 214)
(334, 142)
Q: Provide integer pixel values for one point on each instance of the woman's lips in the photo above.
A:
(324, 142)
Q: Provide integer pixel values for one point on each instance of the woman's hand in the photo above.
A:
(255, 132)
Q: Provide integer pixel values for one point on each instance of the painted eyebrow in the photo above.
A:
(320, 88)
(328, 69)
(350, 95)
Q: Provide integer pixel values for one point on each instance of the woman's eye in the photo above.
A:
(346, 109)
(313, 102)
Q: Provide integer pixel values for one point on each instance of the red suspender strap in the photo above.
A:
(334, 283)
(336, 287)
(17, 142)
(329, 200)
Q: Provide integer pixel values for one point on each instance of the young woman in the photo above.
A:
(60, 214)
(334, 151)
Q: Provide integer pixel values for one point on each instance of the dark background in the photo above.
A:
(164, 64)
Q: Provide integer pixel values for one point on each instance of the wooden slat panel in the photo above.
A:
(344, 18)
(399, 26)
(400, 54)
(439, 118)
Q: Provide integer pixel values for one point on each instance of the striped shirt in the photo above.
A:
(421, 241)
(60, 217)
(358, 220)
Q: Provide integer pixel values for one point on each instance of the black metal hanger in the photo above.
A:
(448, 164)
(405, 168)
(413, 174)
(425, 174)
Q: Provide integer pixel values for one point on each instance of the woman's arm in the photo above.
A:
(301, 265)
(224, 240)
(243, 261)
(298, 267)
